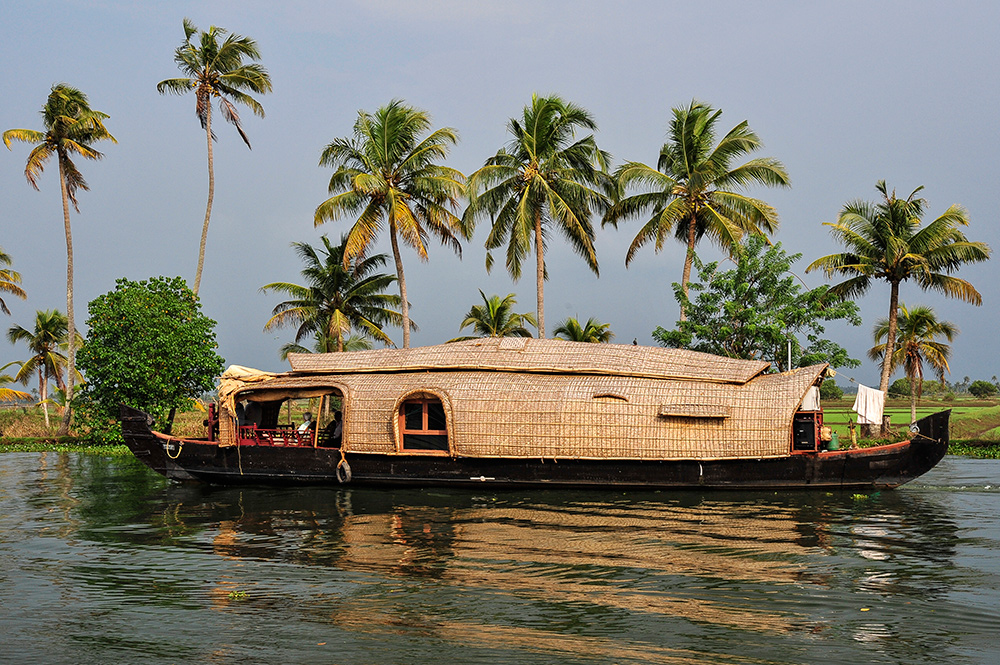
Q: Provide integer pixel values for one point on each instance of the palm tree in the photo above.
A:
(885, 241)
(544, 177)
(324, 344)
(71, 127)
(496, 318)
(919, 329)
(9, 281)
(49, 336)
(337, 298)
(593, 331)
(696, 189)
(217, 70)
(9, 394)
(387, 173)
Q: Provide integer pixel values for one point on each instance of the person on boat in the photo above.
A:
(251, 414)
(334, 429)
(308, 423)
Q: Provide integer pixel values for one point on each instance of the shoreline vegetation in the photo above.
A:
(975, 427)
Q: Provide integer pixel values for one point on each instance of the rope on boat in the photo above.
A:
(180, 447)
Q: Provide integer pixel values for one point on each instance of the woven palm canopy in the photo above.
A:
(543, 356)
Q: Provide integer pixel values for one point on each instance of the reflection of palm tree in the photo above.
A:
(884, 241)
(918, 330)
(336, 299)
(71, 127)
(695, 188)
(217, 70)
(388, 173)
(496, 318)
(592, 331)
(542, 178)
(44, 342)
(9, 281)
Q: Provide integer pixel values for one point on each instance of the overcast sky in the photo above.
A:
(843, 93)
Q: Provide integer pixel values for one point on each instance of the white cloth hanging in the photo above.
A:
(869, 405)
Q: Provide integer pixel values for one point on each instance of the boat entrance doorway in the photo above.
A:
(312, 418)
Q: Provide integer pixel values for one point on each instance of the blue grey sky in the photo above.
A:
(843, 93)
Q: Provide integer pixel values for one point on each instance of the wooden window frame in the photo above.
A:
(424, 401)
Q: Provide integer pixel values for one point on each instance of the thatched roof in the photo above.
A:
(539, 356)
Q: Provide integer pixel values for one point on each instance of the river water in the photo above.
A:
(102, 561)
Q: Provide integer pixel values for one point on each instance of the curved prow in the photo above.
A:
(929, 440)
(140, 439)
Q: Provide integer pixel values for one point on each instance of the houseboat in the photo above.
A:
(531, 413)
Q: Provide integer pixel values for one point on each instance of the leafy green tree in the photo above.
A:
(900, 387)
(388, 173)
(10, 281)
(336, 298)
(46, 341)
(695, 190)
(215, 69)
(829, 390)
(592, 331)
(544, 177)
(150, 347)
(496, 318)
(983, 389)
(919, 329)
(71, 128)
(754, 310)
(885, 241)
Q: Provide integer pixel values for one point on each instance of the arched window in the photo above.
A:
(422, 424)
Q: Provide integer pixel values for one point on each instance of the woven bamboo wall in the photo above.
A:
(553, 399)
(503, 414)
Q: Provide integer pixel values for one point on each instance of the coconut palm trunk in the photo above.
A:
(688, 260)
(890, 338)
(404, 305)
(540, 273)
(70, 323)
(211, 196)
(43, 395)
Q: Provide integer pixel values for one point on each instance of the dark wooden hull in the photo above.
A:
(881, 467)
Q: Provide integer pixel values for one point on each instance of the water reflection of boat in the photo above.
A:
(532, 413)
(698, 559)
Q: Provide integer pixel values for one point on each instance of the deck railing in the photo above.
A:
(280, 436)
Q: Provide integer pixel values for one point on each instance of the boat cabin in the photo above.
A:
(529, 398)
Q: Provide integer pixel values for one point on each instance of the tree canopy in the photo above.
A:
(885, 241)
(545, 179)
(336, 298)
(919, 330)
(694, 191)
(755, 309)
(10, 281)
(388, 173)
(150, 347)
(983, 389)
(496, 318)
(71, 128)
(217, 70)
(47, 341)
(592, 331)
